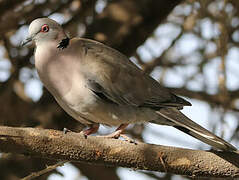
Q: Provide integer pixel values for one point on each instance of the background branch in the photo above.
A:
(52, 144)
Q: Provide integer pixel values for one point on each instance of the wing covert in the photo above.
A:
(122, 81)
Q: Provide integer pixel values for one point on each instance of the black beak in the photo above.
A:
(27, 40)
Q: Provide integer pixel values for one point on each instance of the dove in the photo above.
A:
(96, 84)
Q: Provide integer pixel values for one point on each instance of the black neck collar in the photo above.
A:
(64, 43)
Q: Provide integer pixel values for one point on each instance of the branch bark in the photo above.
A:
(54, 144)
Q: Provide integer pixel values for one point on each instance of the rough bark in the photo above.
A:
(52, 144)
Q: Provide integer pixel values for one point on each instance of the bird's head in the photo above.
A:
(44, 30)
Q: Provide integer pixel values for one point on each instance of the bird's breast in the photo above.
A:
(63, 76)
(53, 70)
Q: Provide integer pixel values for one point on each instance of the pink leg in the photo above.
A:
(93, 129)
(117, 132)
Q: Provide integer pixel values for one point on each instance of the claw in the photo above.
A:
(65, 130)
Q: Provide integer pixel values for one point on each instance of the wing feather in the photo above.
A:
(122, 81)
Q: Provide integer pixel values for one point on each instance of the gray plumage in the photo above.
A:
(96, 84)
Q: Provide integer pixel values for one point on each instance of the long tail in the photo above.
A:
(191, 128)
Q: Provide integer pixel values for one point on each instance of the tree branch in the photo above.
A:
(213, 99)
(54, 144)
(44, 171)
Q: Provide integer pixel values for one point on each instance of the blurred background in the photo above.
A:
(191, 47)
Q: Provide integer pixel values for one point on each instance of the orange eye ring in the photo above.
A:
(45, 28)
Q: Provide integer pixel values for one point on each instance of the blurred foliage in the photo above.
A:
(192, 47)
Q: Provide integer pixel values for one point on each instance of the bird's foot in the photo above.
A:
(93, 129)
(129, 139)
(114, 135)
(118, 133)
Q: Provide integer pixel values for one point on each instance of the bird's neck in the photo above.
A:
(63, 40)
(60, 40)
(64, 43)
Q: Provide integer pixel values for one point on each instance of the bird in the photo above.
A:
(96, 84)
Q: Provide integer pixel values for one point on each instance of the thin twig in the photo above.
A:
(44, 171)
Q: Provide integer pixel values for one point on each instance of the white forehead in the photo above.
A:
(36, 25)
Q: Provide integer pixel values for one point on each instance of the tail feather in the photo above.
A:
(189, 127)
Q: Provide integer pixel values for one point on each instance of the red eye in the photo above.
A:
(45, 28)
